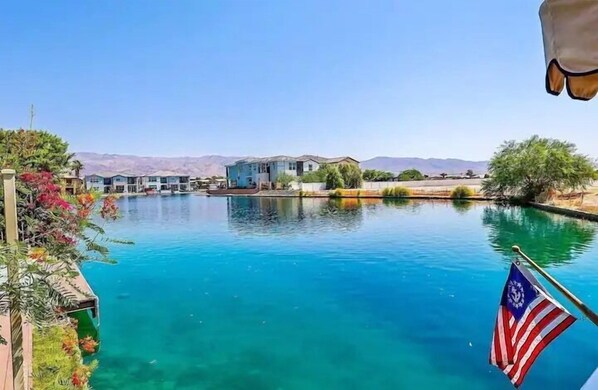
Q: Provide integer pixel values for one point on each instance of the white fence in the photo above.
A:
(313, 187)
(432, 185)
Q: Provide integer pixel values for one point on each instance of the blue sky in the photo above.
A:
(364, 78)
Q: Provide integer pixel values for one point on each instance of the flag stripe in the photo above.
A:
(501, 338)
(538, 324)
(532, 311)
(565, 322)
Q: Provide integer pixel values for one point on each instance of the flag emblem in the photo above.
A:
(528, 319)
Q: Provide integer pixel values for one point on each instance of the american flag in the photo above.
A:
(528, 320)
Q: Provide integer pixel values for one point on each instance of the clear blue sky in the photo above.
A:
(365, 78)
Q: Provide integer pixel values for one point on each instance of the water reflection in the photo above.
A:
(549, 239)
(462, 206)
(266, 216)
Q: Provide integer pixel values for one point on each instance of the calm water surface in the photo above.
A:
(274, 293)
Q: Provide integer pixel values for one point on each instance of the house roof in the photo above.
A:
(112, 174)
(303, 158)
(166, 173)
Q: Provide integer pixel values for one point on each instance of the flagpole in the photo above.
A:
(576, 301)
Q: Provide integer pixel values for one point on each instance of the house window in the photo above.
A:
(310, 167)
(163, 180)
(292, 166)
(153, 178)
(94, 179)
(108, 181)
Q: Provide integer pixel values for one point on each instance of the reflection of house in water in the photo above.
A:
(549, 239)
(265, 216)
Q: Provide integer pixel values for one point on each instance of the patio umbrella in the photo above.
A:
(570, 31)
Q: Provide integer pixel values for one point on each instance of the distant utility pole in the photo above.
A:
(31, 115)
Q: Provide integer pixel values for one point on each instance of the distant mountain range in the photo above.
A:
(214, 165)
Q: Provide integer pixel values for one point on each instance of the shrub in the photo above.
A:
(313, 177)
(57, 360)
(285, 179)
(401, 192)
(462, 192)
(351, 175)
(334, 179)
(387, 192)
(396, 192)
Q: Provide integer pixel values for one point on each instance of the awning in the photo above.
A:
(570, 31)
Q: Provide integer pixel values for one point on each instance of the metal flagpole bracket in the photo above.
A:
(590, 314)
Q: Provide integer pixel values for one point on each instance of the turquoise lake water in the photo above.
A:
(275, 293)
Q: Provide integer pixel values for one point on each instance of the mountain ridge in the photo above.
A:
(214, 165)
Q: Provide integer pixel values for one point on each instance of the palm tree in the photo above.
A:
(76, 166)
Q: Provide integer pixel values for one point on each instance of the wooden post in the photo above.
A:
(16, 320)
(592, 316)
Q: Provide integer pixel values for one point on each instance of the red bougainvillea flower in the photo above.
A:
(109, 208)
(47, 193)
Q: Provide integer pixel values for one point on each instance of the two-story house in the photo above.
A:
(258, 172)
(112, 182)
(166, 181)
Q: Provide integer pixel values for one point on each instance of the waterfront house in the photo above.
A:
(263, 172)
(70, 184)
(166, 181)
(113, 182)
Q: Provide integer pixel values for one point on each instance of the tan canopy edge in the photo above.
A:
(570, 31)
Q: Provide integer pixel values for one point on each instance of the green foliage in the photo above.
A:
(351, 175)
(38, 285)
(33, 150)
(396, 192)
(285, 179)
(313, 177)
(333, 177)
(469, 173)
(376, 175)
(401, 192)
(535, 167)
(410, 174)
(462, 192)
(57, 359)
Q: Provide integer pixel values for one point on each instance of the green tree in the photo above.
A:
(410, 174)
(284, 179)
(537, 166)
(469, 173)
(351, 175)
(443, 175)
(333, 177)
(376, 175)
(33, 150)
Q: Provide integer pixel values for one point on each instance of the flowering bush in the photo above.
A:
(55, 235)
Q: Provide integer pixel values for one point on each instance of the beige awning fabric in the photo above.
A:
(570, 30)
